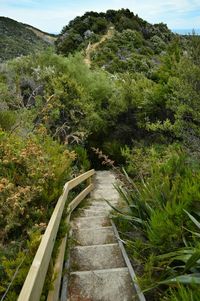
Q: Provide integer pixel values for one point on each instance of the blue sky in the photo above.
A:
(51, 16)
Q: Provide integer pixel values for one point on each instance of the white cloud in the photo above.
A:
(176, 13)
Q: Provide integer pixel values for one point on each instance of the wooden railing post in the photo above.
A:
(89, 182)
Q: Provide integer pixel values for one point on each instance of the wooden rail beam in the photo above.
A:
(57, 274)
(33, 285)
(79, 198)
(34, 282)
(73, 183)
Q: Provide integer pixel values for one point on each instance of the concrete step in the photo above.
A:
(98, 269)
(98, 206)
(101, 285)
(96, 257)
(90, 222)
(105, 208)
(89, 201)
(98, 236)
(92, 213)
(97, 203)
(102, 203)
(105, 193)
(109, 195)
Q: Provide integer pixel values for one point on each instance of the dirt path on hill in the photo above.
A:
(92, 47)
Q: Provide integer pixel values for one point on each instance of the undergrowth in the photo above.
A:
(159, 224)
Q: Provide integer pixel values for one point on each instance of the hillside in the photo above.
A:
(47, 37)
(17, 39)
(92, 26)
(117, 41)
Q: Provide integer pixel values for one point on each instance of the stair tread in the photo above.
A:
(101, 285)
(102, 271)
(92, 213)
(98, 270)
(90, 222)
(96, 257)
(94, 236)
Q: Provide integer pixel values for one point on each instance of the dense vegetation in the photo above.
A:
(139, 104)
(17, 39)
(91, 26)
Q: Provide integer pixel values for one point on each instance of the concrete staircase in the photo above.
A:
(97, 268)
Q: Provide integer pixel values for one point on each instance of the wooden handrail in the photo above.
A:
(53, 294)
(33, 285)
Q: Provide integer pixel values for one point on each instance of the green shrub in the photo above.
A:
(156, 214)
(82, 162)
(113, 149)
(7, 120)
(33, 173)
(183, 293)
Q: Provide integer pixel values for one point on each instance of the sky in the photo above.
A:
(52, 15)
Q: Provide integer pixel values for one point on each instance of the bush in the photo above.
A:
(158, 44)
(156, 214)
(82, 162)
(33, 173)
(7, 120)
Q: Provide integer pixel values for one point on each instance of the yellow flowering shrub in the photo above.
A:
(32, 174)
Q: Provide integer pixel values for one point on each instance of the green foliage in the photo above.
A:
(113, 148)
(156, 209)
(62, 94)
(82, 29)
(123, 52)
(181, 102)
(139, 103)
(136, 166)
(183, 294)
(32, 176)
(194, 46)
(15, 267)
(158, 44)
(82, 162)
(17, 39)
(7, 119)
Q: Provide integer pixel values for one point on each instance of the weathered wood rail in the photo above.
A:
(33, 285)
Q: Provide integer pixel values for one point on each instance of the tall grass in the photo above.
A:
(160, 225)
